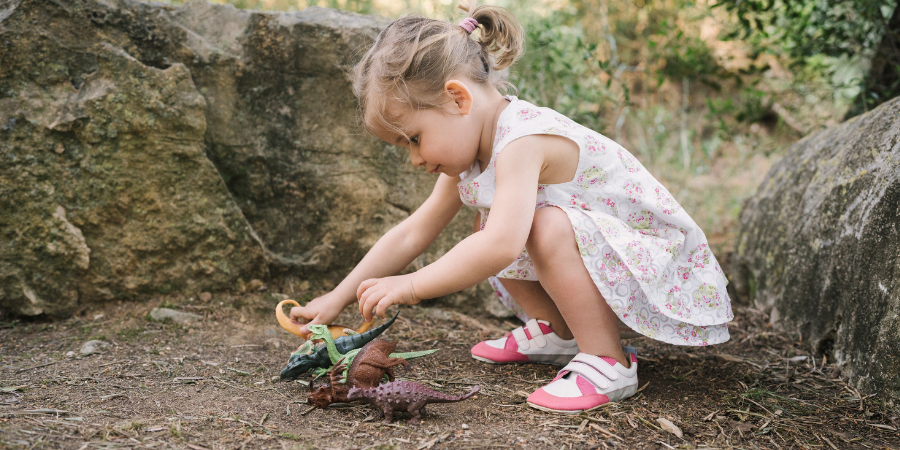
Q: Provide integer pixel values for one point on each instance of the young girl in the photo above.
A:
(573, 232)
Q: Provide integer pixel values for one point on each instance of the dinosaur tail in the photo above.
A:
(444, 398)
(346, 343)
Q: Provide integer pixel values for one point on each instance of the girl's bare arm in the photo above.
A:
(406, 241)
(481, 254)
(393, 251)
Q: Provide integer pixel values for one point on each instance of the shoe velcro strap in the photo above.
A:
(536, 334)
(587, 371)
(522, 340)
(596, 370)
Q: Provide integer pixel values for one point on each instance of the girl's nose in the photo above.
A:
(415, 158)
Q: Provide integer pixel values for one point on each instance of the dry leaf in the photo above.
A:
(741, 426)
(667, 425)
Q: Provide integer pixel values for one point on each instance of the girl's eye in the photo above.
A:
(414, 140)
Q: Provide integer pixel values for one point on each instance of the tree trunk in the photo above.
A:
(883, 82)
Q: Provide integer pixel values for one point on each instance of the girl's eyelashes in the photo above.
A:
(414, 140)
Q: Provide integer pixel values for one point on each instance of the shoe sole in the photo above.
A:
(566, 412)
(549, 363)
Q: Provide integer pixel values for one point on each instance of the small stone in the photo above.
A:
(98, 316)
(60, 148)
(94, 346)
(465, 427)
(667, 425)
(205, 297)
(70, 354)
(179, 317)
(256, 285)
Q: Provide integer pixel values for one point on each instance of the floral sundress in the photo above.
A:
(648, 258)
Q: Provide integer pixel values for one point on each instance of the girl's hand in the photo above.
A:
(321, 310)
(377, 294)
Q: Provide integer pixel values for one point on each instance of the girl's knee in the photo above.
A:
(549, 228)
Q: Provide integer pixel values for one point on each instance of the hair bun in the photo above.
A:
(501, 33)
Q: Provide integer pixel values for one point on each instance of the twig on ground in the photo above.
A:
(604, 431)
(37, 366)
(646, 422)
(114, 362)
(642, 387)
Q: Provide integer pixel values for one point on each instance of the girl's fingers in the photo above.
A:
(366, 295)
(373, 297)
(383, 305)
(365, 285)
(305, 327)
(361, 293)
(298, 313)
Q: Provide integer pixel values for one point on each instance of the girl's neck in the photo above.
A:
(494, 106)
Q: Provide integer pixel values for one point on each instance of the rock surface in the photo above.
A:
(179, 317)
(94, 346)
(819, 246)
(146, 148)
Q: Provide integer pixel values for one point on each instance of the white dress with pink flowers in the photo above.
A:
(648, 258)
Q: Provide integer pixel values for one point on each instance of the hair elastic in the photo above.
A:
(469, 24)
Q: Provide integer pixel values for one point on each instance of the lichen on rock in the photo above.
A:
(193, 148)
(105, 186)
(819, 246)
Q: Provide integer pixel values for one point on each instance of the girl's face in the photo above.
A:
(443, 140)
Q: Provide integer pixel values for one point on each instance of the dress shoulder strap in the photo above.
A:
(522, 118)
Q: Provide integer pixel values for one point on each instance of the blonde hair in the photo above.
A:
(414, 56)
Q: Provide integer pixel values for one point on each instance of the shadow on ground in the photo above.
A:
(213, 385)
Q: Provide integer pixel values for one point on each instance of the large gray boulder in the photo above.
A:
(147, 148)
(819, 246)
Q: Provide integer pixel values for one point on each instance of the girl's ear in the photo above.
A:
(461, 96)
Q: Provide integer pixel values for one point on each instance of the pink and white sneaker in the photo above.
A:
(587, 383)
(533, 342)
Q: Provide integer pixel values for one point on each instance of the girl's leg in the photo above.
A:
(557, 261)
(533, 299)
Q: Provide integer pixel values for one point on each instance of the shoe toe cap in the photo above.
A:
(544, 400)
(484, 350)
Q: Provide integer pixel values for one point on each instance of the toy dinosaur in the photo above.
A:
(372, 363)
(336, 392)
(368, 368)
(293, 327)
(403, 394)
(328, 354)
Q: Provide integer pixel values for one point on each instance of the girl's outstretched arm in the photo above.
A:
(393, 252)
(480, 255)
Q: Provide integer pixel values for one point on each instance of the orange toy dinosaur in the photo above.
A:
(293, 327)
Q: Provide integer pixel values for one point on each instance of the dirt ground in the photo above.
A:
(213, 385)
